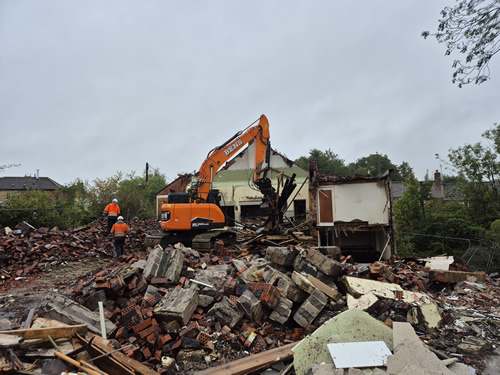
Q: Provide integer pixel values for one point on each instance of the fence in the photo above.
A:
(479, 255)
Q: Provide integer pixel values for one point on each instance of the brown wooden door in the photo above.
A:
(325, 206)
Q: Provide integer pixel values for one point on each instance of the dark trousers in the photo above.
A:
(119, 242)
(111, 222)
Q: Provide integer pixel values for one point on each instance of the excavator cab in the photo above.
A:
(178, 197)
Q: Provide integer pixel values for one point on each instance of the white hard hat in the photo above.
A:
(115, 200)
(120, 217)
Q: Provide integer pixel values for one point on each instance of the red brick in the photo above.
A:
(142, 325)
(146, 353)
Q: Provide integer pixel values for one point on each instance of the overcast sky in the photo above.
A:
(89, 88)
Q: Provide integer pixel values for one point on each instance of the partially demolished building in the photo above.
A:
(353, 213)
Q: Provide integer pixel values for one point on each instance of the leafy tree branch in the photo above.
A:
(471, 28)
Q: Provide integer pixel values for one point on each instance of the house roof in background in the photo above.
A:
(27, 183)
(439, 190)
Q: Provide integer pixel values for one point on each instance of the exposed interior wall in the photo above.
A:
(237, 194)
(354, 216)
(365, 202)
(234, 180)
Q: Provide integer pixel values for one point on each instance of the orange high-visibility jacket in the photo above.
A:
(112, 209)
(120, 229)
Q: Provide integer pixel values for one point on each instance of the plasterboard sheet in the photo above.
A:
(359, 354)
(441, 263)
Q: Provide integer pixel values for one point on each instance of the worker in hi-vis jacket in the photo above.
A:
(112, 211)
(119, 231)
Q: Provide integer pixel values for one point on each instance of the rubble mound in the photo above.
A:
(181, 311)
(27, 252)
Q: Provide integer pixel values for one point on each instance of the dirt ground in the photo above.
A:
(34, 291)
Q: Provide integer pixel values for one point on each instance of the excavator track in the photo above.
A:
(200, 241)
(206, 241)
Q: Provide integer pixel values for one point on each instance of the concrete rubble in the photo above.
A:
(177, 310)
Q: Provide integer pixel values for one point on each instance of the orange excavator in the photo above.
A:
(194, 217)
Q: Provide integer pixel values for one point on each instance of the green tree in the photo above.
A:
(471, 28)
(410, 215)
(452, 222)
(37, 207)
(137, 198)
(74, 200)
(101, 192)
(405, 171)
(477, 172)
(327, 161)
(376, 165)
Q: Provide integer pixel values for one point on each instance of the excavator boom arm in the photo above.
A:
(220, 155)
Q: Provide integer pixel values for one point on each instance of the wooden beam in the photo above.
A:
(43, 333)
(251, 363)
(112, 365)
(86, 367)
(138, 367)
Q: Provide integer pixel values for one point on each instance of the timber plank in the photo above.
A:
(252, 363)
(138, 367)
(43, 333)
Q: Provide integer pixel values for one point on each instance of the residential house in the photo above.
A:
(15, 185)
(445, 191)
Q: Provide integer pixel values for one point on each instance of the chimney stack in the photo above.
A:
(437, 177)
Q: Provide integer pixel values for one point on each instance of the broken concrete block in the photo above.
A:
(366, 302)
(473, 346)
(431, 314)
(173, 266)
(205, 300)
(282, 311)
(280, 255)
(251, 306)
(284, 283)
(457, 276)
(92, 302)
(225, 312)
(300, 265)
(311, 308)
(177, 304)
(213, 276)
(410, 350)
(309, 283)
(152, 296)
(358, 287)
(67, 311)
(302, 282)
(238, 264)
(323, 263)
(330, 290)
(155, 264)
(349, 326)
(251, 274)
(333, 252)
(150, 291)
